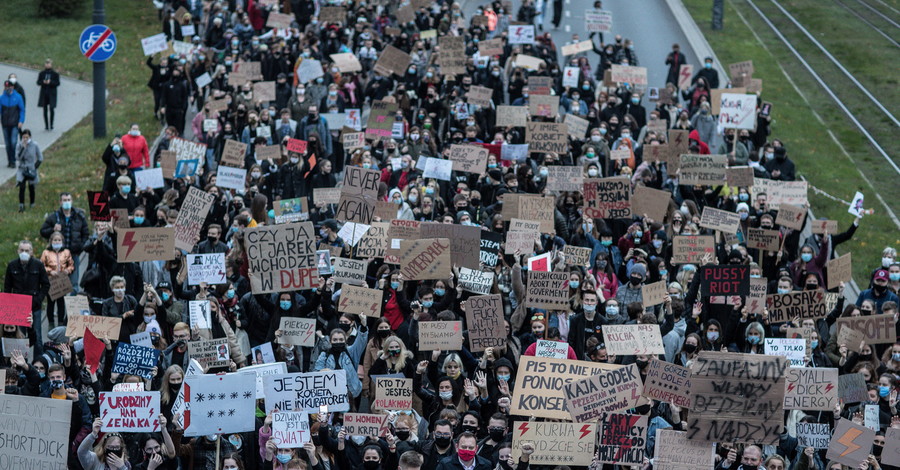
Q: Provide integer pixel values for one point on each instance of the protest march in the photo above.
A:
(403, 236)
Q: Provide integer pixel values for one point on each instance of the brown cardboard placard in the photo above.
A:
(791, 216)
(540, 385)
(468, 158)
(512, 116)
(452, 56)
(233, 154)
(565, 178)
(491, 47)
(555, 444)
(803, 304)
(392, 393)
(656, 153)
(715, 97)
(264, 91)
(781, 192)
(538, 208)
(440, 335)
(851, 338)
(480, 96)
(297, 331)
(346, 62)
(401, 230)
(578, 255)
(333, 14)
(252, 71)
(741, 69)
(704, 170)
(810, 388)
(374, 243)
(629, 74)
(465, 241)
(282, 257)
(839, 270)
(692, 248)
(717, 219)
(719, 375)
(350, 271)
(756, 301)
(540, 85)
(392, 60)
(279, 20)
(739, 176)
(327, 195)
(654, 294)
(572, 49)
(619, 435)
(520, 241)
(543, 106)
(613, 390)
(385, 210)
(484, 322)
(820, 227)
(850, 444)
(101, 327)
(577, 127)
(650, 202)
(547, 290)
(674, 451)
(168, 161)
(191, 217)
(607, 198)
(547, 137)
(668, 382)
(424, 259)
(360, 300)
(879, 329)
(119, 218)
(60, 285)
(762, 239)
(632, 339)
(145, 244)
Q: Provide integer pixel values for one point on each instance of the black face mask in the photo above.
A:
(338, 348)
(471, 429)
(641, 364)
(12, 390)
(117, 453)
(876, 450)
(689, 348)
(174, 388)
(383, 333)
(636, 280)
(402, 435)
(442, 441)
(371, 465)
(344, 326)
(497, 435)
(812, 286)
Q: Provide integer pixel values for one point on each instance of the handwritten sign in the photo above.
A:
(440, 335)
(717, 219)
(15, 309)
(792, 349)
(650, 202)
(633, 339)
(40, 430)
(282, 257)
(191, 217)
(802, 304)
(692, 248)
(102, 327)
(129, 411)
(791, 216)
(669, 383)
(623, 438)
(577, 255)
(570, 444)
(607, 198)
(810, 388)
(839, 270)
(134, 360)
(547, 290)
(297, 331)
(540, 385)
(879, 329)
(703, 170)
(614, 390)
(552, 137)
(393, 394)
(369, 425)
(629, 74)
(307, 391)
(737, 111)
(428, 258)
(208, 268)
(210, 353)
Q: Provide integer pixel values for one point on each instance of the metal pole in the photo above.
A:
(718, 14)
(99, 80)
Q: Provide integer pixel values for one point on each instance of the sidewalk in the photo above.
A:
(74, 102)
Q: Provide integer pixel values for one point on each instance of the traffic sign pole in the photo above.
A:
(99, 79)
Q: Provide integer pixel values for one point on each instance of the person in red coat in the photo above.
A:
(135, 145)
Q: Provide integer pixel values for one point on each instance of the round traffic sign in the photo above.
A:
(97, 43)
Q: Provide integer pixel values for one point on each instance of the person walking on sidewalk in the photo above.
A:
(29, 159)
(12, 117)
(48, 80)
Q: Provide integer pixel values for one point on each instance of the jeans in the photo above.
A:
(11, 138)
(74, 277)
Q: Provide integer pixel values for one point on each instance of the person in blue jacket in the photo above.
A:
(12, 116)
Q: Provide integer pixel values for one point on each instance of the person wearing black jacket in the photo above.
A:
(781, 167)
(27, 276)
(73, 224)
(48, 80)
(174, 100)
(158, 76)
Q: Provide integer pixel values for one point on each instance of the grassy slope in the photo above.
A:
(72, 163)
(817, 156)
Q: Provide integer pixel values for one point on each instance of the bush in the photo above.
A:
(60, 8)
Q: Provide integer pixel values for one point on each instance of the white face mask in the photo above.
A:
(592, 172)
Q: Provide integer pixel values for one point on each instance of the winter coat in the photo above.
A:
(29, 157)
(47, 96)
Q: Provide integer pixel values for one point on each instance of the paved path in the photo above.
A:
(74, 102)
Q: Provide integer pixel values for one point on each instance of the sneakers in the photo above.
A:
(21, 207)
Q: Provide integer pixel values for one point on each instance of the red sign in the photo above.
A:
(93, 349)
(296, 145)
(15, 309)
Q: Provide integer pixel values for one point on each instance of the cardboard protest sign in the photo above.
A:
(674, 451)
(142, 339)
(590, 399)
(369, 425)
(290, 429)
(547, 290)
(479, 96)
(623, 438)
(544, 106)
(282, 257)
(427, 258)
(134, 360)
(879, 329)
(279, 20)
(149, 178)
(853, 339)
(736, 397)
(692, 248)
(756, 300)
(539, 388)
(210, 353)
(120, 218)
(102, 327)
(551, 349)
(565, 178)
(810, 388)
(550, 137)
(297, 331)
(762, 239)
(819, 227)
(40, 430)
(792, 349)
(98, 202)
(219, 404)
(208, 268)
(629, 74)
(512, 116)
(15, 309)
(781, 192)
(350, 271)
(490, 47)
(632, 339)
(333, 14)
(440, 335)
(890, 455)
(468, 158)
(346, 62)
(489, 253)
(392, 60)
(803, 304)
(540, 209)
(393, 393)
(650, 202)
(233, 154)
(729, 279)
(577, 127)
(577, 255)
(739, 176)
(852, 388)
(374, 243)
(668, 382)
(436, 168)
(475, 280)
(521, 34)
(607, 198)
(358, 195)
(522, 241)
(717, 219)
(145, 244)
(654, 294)
(737, 111)
(570, 444)
(484, 322)
(129, 411)
(850, 444)
(599, 21)
(128, 387)
(399, 230)
(15, 344)
(381, 119)
(452, 56)
(704, 170)
(581, 46)
(191, 217)
(791, 216)
(815, 435)
(839, 269)
(307, 391)
(153, 44)
(264, 91)
(187, 150)
(360, 300)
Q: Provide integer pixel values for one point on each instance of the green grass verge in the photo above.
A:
(73, 162)
(817, 156)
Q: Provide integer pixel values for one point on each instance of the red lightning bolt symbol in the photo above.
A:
(791, 387)
(828, 388)
(105, 412)
(129, 242)
(523, 427)
(685, 73)
(102, 397)
(98, 202)
(847, 440)
(585, 430)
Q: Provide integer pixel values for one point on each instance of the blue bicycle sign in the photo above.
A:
(97, 43)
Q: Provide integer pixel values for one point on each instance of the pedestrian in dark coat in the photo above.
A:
(48, 80)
